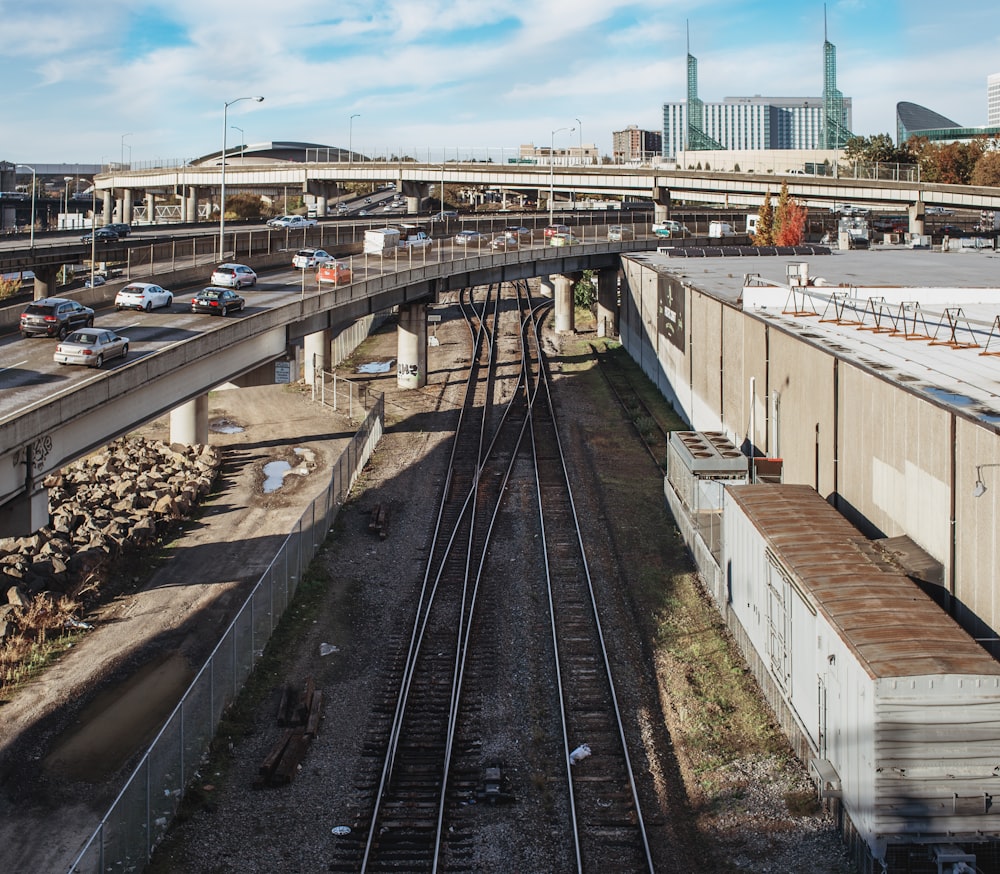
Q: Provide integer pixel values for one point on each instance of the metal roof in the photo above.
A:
(887, 621)
(908, 315)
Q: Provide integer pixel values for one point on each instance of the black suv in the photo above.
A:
(54, 317)
(120, 228)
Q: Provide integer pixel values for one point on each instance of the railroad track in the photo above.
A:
(425, 750)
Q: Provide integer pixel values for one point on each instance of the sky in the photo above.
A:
(147, 81)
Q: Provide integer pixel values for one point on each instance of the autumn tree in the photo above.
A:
(764, 235)
(789, 220)
(987, 169)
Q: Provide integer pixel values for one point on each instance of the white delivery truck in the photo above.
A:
(720, 229)
(381, 241)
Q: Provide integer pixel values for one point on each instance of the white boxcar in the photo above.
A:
(898, 709)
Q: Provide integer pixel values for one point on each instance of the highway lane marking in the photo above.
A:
(12, 366)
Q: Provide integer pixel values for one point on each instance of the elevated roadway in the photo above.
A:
(176, 363)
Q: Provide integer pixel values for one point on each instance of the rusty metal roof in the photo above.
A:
(892, 626)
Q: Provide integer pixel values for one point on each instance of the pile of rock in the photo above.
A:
(100, 505)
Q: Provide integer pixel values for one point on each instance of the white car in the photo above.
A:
(305, 258)
(142, 296)
(291, 222)
(90, 347)
(233, 276)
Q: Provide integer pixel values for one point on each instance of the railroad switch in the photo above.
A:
(495, 786)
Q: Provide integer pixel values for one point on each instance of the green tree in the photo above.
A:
(585, 291)
(764, 235)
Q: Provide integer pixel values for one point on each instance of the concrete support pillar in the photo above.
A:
(106, 219)
(415, 193)
(118, 209)
(191, 205)
(189, 422)
(46, 282)
(916, 215)
(317, 354)
(127, 203)
(411, 346)
(661, 204)
(607, 303)
(321, 200)
(565, 322)
(151, 207)
(546, 286)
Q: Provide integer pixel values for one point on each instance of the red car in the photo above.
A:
(555, 229)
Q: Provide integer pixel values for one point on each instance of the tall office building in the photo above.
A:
(758, 122)
(633, 144)
(993, 100)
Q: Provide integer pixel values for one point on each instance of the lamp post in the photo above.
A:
(350, 138)
(243, 139)
(67, 180)
(552, 161)
(579, 127)
(123, 150)
(93, 233)
(222, 187)
(32, 169)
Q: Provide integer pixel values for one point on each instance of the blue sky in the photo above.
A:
(147, 80)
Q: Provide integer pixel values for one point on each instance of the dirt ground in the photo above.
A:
(68, 738)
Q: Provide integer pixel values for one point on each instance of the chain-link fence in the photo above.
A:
(141, 814)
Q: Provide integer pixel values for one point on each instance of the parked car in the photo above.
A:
(550, 230)
(233, 276)
(217, 301)
(335, 272)
(54, 317)
(504, 242)
(470, 238)
(311, 258)
(91, 347)
(291, 222)
(142, 296)
(101, 235)
(617, 233)
(563, 240)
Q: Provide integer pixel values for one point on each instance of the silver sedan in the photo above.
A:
(91, 347)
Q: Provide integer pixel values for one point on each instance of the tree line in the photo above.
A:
(972, 162)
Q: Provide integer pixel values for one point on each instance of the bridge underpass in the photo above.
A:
(46, 437)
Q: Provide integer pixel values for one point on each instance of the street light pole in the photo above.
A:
(222, 186)
(580, 128)
(243, 139)
(67, 180)
(32, 169)
(122, 165)
(552, 161)
(350, 138)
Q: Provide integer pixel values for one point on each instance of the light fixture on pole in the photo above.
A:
(222, 186)
(123, 151)
(32, 169)
(579, 127)
(243, 139)
(350, 138)
(980, 487)
(93, 233)
(552, 161)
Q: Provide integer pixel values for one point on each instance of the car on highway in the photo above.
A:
(470, 238)
(90, 347)
(563, 240)
(142, 296)
(504, 242)
(523, 234)
(94, 282)
(311, 258)
(950, 231)
(54, 317)
(120, 228)
(101, 235)
(551, 230)
(444, 215)
(217, 301)
(233, 276)
(938, 210)
(335, 272)
(342, 207)
(291, 222)
(617, 233)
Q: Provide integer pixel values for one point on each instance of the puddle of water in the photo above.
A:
(274, 475)
(949, 397)
(225, 426)
(120, 722)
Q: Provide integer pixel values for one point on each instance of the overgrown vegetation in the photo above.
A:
(9, 287)
(46, 628)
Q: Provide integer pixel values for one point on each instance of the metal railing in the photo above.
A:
(140, 815)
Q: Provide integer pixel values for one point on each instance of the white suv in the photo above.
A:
(233, 276)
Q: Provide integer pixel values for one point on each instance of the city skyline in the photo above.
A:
(148, 82)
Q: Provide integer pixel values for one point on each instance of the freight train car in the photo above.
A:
(895, 708)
